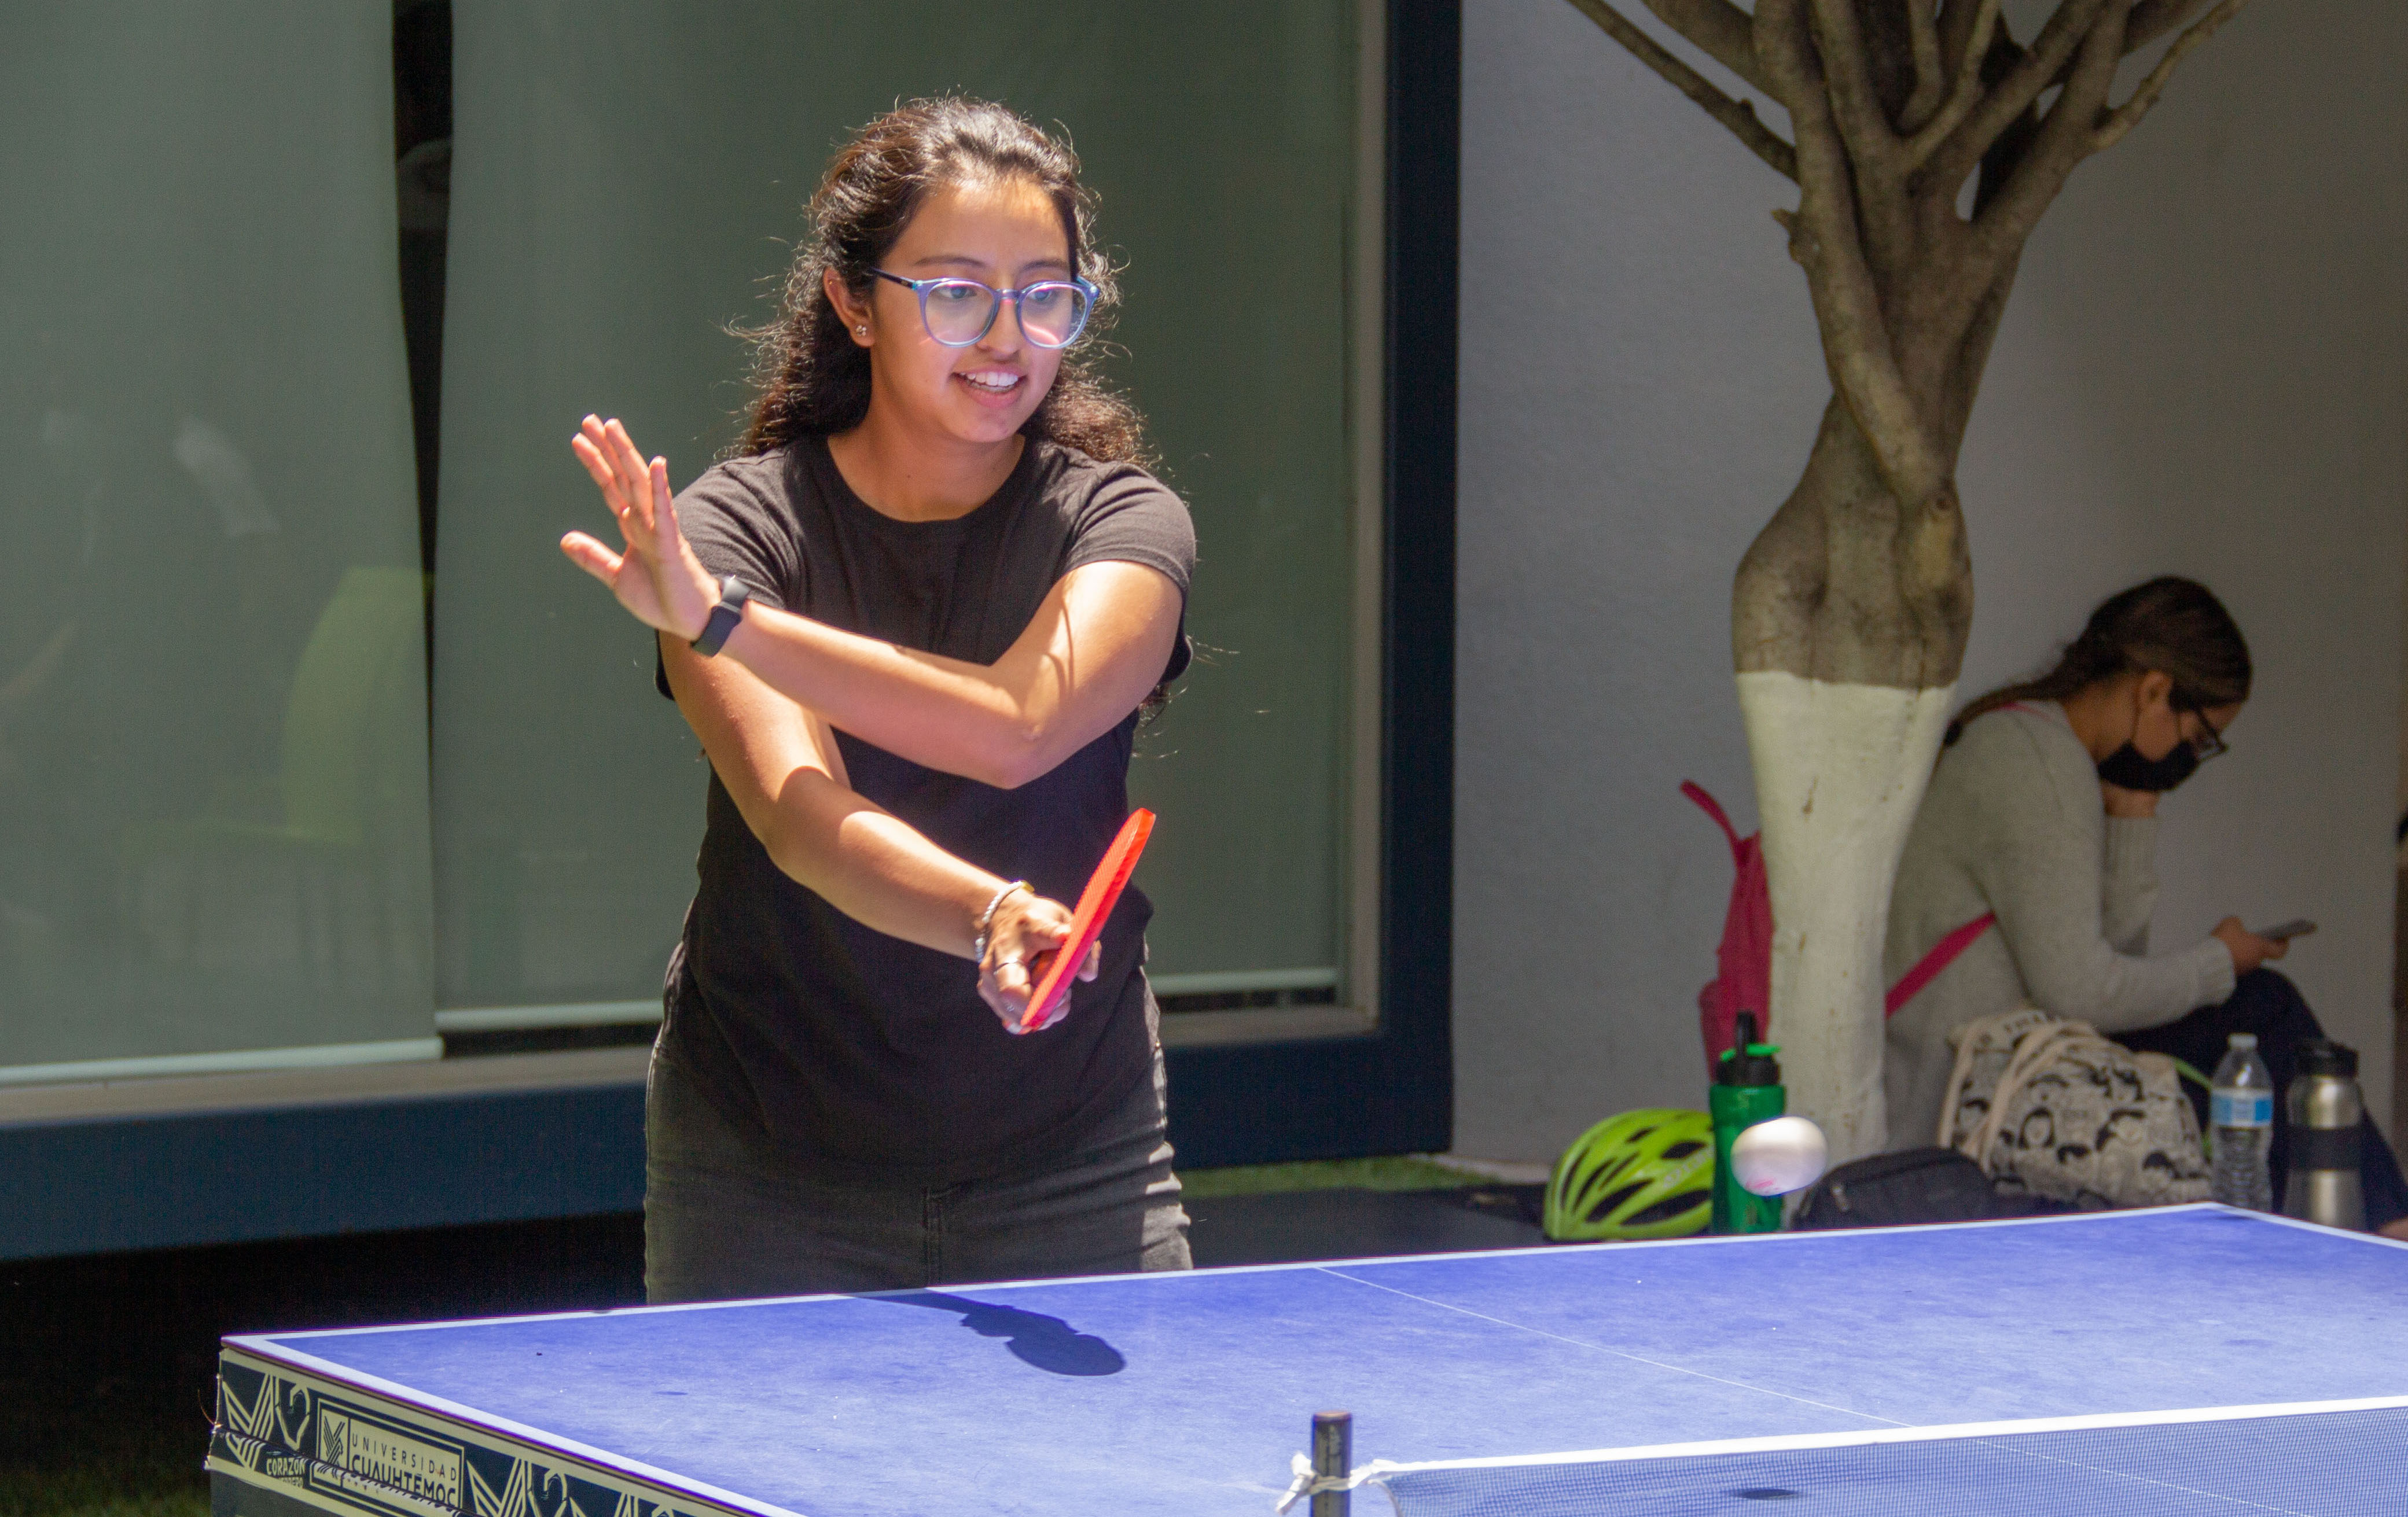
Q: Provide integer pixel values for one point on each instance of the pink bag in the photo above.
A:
(1745, 960)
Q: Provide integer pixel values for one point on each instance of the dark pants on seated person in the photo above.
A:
(2269, 1006)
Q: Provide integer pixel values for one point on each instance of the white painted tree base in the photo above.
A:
(1840, 770)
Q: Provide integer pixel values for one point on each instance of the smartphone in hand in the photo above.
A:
(2296, 927)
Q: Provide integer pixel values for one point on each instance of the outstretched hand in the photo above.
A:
(657, 579)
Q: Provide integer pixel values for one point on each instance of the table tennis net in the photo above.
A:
(2334, 1459)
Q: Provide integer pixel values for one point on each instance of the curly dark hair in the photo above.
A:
(2168, 625)
(809, 378)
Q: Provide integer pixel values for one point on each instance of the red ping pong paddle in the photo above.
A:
(1087, 921)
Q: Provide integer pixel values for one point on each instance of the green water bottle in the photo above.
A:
(1746, 1091)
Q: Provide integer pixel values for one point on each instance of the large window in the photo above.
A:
(213, 799)
(624, 188)
(218, 843)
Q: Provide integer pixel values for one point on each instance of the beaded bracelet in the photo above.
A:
(987, 918)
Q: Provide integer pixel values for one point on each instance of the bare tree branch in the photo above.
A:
(2065, 137)
(1973, 355)
(1856, 346)
(2152, 19)
(1725, 33)
(2127, 114)
(1739, 115)
(1854, 102)
(2012, 96)
(1967, 88)
(1885, 214)
(1956, 25)
(1930, 74)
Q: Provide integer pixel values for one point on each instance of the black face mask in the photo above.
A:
(2126, 767)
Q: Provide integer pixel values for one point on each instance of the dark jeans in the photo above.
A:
(726, 1217)
(2264, 1003)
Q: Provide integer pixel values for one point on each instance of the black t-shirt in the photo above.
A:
(858, 1054)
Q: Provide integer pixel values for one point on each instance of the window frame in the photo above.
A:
(1389, 1087)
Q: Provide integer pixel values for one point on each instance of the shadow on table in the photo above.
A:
(1049, 1344)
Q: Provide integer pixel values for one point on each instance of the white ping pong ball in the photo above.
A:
(1775, 1157)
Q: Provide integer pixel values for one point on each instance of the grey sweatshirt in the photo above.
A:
(2014, 824)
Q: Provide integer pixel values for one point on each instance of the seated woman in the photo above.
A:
(2043, 810)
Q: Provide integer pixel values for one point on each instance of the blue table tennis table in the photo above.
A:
(2193, 1360)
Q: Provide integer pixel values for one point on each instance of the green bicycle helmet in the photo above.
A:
(1643, 1174)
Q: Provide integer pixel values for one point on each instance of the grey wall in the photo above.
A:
(2201, 372)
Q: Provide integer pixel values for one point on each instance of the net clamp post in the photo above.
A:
(1326, 1475)
(1307, 1483)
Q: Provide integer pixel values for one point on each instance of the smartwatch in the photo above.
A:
(724, 617)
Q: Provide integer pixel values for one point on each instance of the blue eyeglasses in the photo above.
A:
(958, 312)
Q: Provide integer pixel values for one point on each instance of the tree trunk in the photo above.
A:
(1849, 620)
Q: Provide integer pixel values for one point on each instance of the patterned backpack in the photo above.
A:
(2049, 1108)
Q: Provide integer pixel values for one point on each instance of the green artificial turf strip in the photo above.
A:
(1402, 1173)
(111, 1451)
(102, 1490)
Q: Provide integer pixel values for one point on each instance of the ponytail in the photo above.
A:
(2170, 626)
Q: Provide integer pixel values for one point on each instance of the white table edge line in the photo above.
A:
(263, 1344)
(1933, 1431)
(1168, 1278)
(2345, 1235)
(486, 1422)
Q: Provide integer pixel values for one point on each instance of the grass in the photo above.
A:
(117, 1449)
(107, 1384)
(112, 1483)
(1406, 1172)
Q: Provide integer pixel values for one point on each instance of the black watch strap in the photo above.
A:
(724, 616)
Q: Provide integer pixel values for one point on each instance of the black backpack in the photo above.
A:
(1919, 1185)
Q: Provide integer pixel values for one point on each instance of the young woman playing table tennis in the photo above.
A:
(912, 622)
(2043, 811)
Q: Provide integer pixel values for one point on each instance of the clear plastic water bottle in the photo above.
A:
(2241, 1127)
